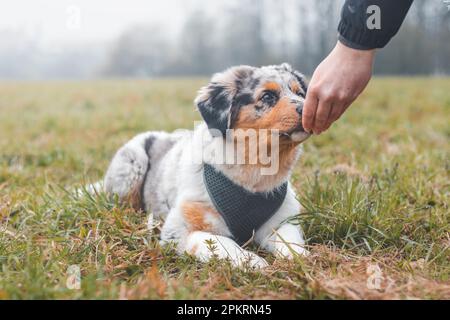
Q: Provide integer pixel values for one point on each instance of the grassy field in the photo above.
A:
(375, 191)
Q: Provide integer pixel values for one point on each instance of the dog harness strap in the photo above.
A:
(243, 211)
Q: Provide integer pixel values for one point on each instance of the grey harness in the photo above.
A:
(244, 212)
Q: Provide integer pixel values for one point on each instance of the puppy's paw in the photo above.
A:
(291, 251)
(252, 261)
(206, 246)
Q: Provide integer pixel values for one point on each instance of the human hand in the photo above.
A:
(335, 84)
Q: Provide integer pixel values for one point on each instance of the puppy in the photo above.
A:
(211, 206)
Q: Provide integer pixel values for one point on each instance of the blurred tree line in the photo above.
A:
(259, 32)
(221, 33)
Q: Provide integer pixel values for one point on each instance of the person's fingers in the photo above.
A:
(336, 112)
(322, 114)
(309, 111)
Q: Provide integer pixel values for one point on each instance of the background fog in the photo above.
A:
(81, 39)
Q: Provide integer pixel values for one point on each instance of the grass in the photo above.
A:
(375, 191)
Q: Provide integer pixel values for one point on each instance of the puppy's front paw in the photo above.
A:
(251, 260)
(291, 250)
(205, 246)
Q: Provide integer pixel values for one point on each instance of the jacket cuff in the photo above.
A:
(361, 38)
(351, 44)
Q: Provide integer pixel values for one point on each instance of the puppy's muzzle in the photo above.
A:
(298, 133)
(299, 109)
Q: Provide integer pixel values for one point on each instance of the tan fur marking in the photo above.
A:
(273, 86)
(283, 116)
(287, 156)
(295, 88)
(194, 213)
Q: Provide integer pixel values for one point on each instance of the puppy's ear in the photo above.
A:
(299, 76)
(215, 101)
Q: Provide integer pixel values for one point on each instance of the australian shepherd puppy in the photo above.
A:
(163, 173)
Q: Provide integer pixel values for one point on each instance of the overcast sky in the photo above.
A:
(60, 22)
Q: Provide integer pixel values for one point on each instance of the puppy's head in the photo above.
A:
(245, 97)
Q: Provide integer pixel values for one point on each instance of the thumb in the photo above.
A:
(309, 110)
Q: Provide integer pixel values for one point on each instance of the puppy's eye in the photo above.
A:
(269, 98)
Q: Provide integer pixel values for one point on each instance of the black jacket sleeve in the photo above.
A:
(354, 31)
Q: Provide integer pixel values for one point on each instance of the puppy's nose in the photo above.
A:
(299, 105)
